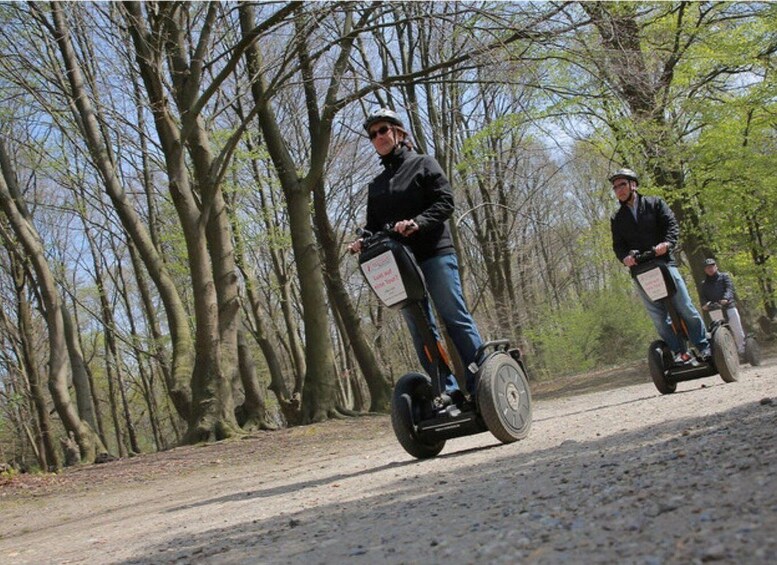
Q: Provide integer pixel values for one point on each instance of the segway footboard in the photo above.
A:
(448, 426)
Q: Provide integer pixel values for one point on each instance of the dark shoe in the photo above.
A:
(458, 398)
(706, 353)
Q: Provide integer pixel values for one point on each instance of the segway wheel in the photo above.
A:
(752, 351)
(504, 398)
(411, 393)
(659, 361)
(725, 355)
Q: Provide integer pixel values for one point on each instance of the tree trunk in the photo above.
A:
(160, 358)
(253, 397)
(221, 250)
(89, 375)
(147, 383)
(378, 384)
(252, 414)
(212, 415)
(49, 456)
(318, 399)
(284, 285)
(177, 316)
(58, 357)
(84, 395)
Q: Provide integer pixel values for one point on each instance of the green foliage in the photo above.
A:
(8, 474)
(734, 177)
(604, 328)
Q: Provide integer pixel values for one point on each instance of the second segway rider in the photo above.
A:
(643, 223)
(717, 286)
(413, 194)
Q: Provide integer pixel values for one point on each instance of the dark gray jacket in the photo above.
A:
(413, 187)
(716, 288)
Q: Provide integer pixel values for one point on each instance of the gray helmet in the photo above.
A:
(625, 173)
(383, 115)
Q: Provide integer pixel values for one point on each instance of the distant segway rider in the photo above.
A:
(413, 194)
(717, 286)
(643, 223)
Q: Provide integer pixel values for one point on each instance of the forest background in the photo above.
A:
(179, 181)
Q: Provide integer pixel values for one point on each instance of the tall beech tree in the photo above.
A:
(20, 221)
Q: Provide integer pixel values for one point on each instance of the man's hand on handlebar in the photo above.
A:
(635, 256)
(406, 227)
(662, 248)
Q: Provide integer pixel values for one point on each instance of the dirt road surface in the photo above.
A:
(623, 475)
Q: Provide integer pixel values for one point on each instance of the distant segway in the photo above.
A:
(422, 414)
(654, 278)
(718, 315)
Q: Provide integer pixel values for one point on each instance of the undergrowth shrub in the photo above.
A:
(604, 328)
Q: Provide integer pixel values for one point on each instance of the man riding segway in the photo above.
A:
(717, 297)
(644, 223)
(644, 232)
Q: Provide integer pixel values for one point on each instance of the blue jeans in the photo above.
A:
(687, 311)
(443, 285)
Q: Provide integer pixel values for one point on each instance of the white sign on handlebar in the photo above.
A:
(382, 274)
(716, 315)
(653, 283)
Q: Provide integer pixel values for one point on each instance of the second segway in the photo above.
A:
(657, 283)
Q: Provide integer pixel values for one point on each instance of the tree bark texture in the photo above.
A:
(176, 313)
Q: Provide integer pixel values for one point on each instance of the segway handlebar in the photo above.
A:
(368, 238)
(644, 256)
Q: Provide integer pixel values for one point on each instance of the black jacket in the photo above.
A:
(413, 187)
(655, 223)
(716, 288)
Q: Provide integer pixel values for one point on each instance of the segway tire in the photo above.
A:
(504, 398)
(659, 360)
(725, 354)
(410, 392)
(752, 351)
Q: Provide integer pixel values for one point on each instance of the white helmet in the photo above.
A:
(383, 115)
(625, 173)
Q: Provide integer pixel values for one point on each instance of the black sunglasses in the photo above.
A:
(380, 131)
(619, 185)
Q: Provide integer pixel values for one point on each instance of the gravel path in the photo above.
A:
(623, 475)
